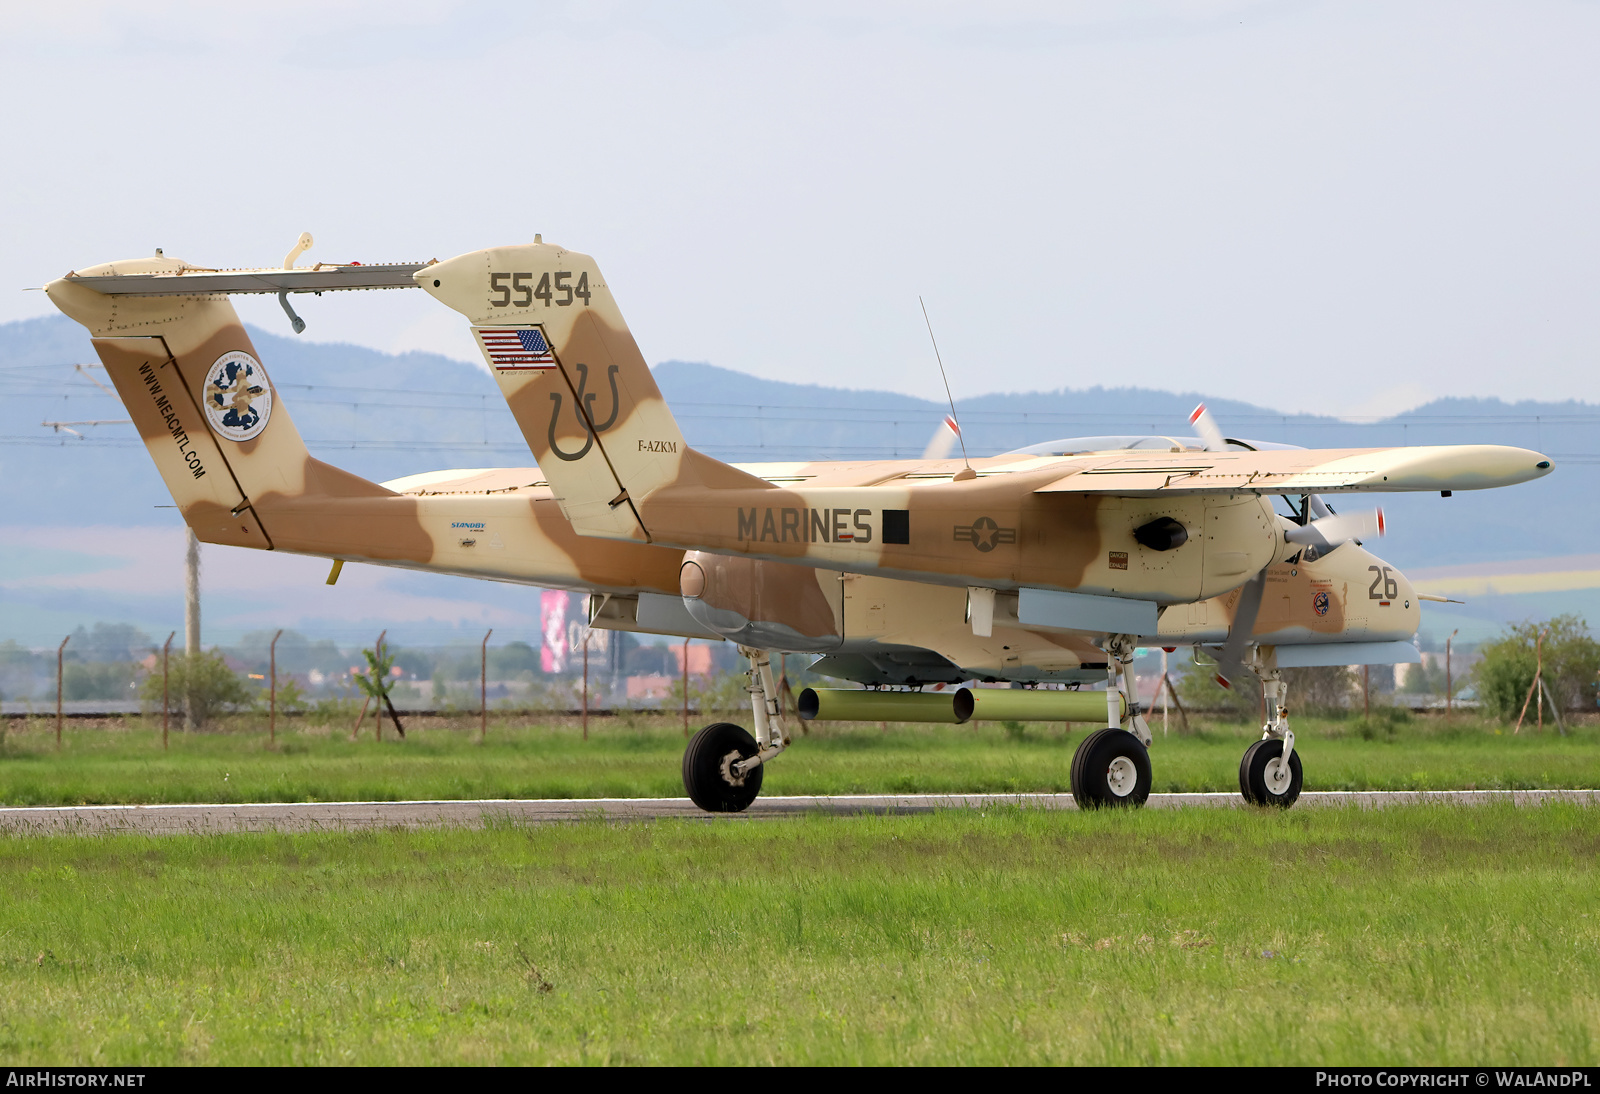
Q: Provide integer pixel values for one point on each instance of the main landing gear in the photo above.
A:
(723, 765)
(1112, 765)
(1269, 773)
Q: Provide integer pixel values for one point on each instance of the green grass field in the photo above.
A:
(641, 758)
(1420, 935)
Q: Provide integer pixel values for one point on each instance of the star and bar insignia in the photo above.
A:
(984, 534)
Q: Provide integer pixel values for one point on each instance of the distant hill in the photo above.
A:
(383, 415)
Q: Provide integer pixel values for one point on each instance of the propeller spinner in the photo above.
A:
(1318, 536)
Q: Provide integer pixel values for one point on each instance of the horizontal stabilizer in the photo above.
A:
(192, 281)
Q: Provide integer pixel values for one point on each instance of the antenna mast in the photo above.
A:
(948, 397)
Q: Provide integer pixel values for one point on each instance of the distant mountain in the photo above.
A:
(384, 415)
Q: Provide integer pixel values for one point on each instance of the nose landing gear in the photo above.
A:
(1269, 773)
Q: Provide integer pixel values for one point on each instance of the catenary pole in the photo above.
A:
(483, 692)
(166, 656)
(1449, 684)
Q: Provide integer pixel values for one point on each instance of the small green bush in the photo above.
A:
(1571, 664)
(1384, 722)
(203, 683)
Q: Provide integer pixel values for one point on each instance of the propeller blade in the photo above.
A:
(1206, 426)
(943, 440)
(1231, 660)
(1337, 528)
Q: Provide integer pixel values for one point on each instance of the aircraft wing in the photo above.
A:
(1304, 471)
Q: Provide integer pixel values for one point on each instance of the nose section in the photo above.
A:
(1407, 619)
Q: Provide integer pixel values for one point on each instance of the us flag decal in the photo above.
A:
(512, 349)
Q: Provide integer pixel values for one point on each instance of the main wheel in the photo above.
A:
(1111, 767)
(1263, 777)
(707, 769)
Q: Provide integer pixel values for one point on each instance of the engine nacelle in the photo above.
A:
(769, 605)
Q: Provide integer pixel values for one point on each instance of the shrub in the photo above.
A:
(1326, 689)
(203, 683)
(1571, 664)
(98, 679)
(1384, 721)
(1199, 690)
(291, 699)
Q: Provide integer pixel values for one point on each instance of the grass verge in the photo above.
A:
(124, 763)
(1418, 935)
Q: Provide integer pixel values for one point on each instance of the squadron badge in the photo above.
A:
(1319, 603)
(237, 397)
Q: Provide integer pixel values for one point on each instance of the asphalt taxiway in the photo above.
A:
(353, 816)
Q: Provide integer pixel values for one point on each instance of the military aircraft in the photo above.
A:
(1046, 566)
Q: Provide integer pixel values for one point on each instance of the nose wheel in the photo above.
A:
(1264, 777)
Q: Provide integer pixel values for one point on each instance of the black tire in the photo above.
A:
(1094, 781)
(1253, 775)
(705, 764)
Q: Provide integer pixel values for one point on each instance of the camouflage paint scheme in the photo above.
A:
(784, 556)
(897, 545)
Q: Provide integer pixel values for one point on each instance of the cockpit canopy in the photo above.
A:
(1076, 446)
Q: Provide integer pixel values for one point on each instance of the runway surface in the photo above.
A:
(352, 816)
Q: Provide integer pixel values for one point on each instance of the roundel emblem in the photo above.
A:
(238, 399)
(1320, 603)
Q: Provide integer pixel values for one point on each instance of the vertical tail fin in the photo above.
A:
(574, 378)
(204, 406)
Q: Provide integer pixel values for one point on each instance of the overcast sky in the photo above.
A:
(1332, 207)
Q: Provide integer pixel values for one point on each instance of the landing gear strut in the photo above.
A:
(1112, 765)
(1269, 773)
(723, 765)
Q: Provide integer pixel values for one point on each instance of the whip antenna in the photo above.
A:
(948, 397)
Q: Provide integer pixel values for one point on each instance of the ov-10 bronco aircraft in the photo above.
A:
(1045, 567)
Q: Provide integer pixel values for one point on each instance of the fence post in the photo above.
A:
(1538, 674)
(483, 692)
(272, 723)
(586, 683)
(59, 651)
(166, 654)
(377, 712)
(1162, 688)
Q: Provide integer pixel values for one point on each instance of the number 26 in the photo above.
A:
(1385, 577)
